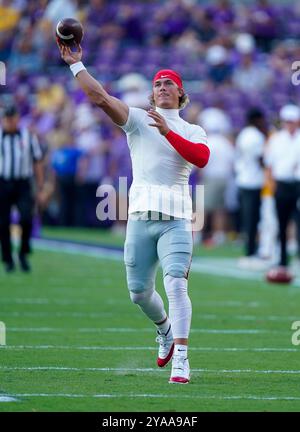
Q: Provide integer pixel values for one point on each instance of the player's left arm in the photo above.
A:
(196, 153)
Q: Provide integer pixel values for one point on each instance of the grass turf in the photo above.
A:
(78, 301)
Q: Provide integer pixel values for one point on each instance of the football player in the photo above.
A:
(163, 149)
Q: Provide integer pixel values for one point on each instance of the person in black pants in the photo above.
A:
(20, 158)
(283, 171)
(250, 145)
(286, 206)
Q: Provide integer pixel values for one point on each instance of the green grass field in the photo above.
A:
(76, 343)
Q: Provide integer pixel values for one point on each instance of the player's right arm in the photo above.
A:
(117, 110)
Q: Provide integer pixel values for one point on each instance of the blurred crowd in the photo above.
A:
(233, 56)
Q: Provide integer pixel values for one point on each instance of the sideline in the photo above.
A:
(225, 267)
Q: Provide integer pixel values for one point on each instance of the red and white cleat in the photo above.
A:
(180, 370)
(166, 348)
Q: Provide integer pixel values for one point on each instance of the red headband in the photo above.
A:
(169, 73)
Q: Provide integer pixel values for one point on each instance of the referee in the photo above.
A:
(20, 158)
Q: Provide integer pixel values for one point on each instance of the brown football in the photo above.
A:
(279, 275)
(69, 31)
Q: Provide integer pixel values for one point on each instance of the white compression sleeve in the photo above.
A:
(180, 307)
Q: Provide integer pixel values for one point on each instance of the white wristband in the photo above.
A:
(77, 67)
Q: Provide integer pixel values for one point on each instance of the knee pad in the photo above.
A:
(139, 286)
(140, 297)
(177, 270)
(177, 261)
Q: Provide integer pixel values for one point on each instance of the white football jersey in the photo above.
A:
(283, 155)
(249, 153)
(160, 174)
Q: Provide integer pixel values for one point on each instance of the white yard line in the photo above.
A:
(109, 301)
(40, 301)
(4, 398)
(136, 330)
(143, 348)
(145, 370)
(157, 396)
(96, 315)
(52, 314)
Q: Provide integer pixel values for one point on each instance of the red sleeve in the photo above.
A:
(195, 153)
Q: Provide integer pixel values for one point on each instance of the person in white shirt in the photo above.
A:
(218, 173)
(163, 149)
(249, 169)
(91, 164)
(283, 171)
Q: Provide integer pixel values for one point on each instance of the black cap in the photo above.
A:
(10, 111)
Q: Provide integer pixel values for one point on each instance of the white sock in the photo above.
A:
(151, 304)
(180, 307)
(181, 350)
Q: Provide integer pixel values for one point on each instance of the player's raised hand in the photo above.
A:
(68, 55)
(160, 122)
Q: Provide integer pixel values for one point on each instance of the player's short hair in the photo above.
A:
(184, 100)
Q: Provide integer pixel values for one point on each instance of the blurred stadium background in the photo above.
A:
(71, 318)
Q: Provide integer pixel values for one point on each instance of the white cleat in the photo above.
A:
(180, 370)
(166, 347)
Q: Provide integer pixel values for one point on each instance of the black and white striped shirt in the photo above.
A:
(18, 151)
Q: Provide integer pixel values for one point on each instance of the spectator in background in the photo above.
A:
(192, 112)
(57, 10)
(64, 162)
(134, 89)
(132, 26)
(9, 19)
(250, 144)
(264, 24)
(24, 55)
(220, 71)
(49, 97)
(222, 13)
(249, 75)
(119, 167)
(217, 173)
(173, 19)
(202, 22)
(283, 170)
(9, 15)
(91, 165)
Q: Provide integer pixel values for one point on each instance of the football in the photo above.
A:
(69, 31)
(279, 275)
